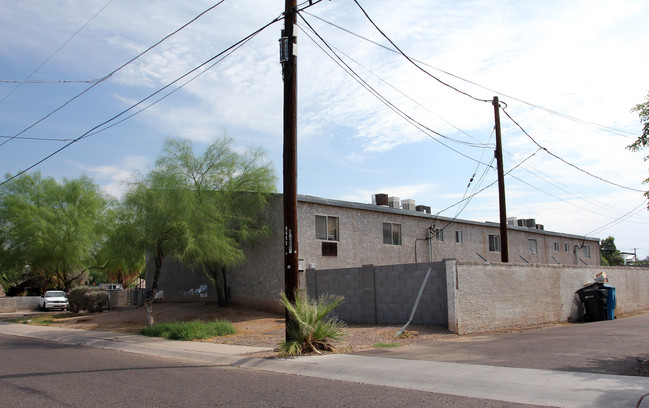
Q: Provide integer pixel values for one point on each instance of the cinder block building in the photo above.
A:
(335, 234)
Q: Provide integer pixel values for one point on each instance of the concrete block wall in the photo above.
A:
(7, 305)
(18, 303)
(491, 296)
(384, 294)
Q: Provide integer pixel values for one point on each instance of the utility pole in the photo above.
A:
(288, 58)
(504, 250)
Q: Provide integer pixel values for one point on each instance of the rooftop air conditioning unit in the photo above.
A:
(394, 202)
(380, 199)
(408, 205)
(512, 221)
(423, 208)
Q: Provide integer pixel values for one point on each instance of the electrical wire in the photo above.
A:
(540, 147)
(479, 144)
(84, 81)
(562, 187)
(565, 161)
(115, 71)
(609, 129)
(96, 129)
(486, 187)
(341, 63)
(641, 207)
(52, 55)
(547, 151)
(413, 62)
(37, 138)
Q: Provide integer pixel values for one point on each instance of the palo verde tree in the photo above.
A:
(643, 140)
(50, 231)
(199, 209)
(122, 259)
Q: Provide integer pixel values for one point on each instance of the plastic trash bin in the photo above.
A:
(594, 299)
(611, 301)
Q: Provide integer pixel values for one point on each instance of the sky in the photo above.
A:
(370, 120)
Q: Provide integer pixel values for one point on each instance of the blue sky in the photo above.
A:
(545, 60)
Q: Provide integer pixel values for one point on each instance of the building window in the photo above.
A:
(439, 235)
(586, 251)
(326, 227)
(566, 247)
(556, 246)
(329, 248)
(391, 233)
(494, 243)
(532, 245)
(458, 237)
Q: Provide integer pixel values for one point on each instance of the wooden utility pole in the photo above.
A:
(504, 247)
(288, 58)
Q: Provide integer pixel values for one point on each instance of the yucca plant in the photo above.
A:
(310, 330)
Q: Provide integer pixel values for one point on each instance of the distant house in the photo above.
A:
(340, 234)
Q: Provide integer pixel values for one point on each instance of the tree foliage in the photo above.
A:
(643, 140)
(50, 231)
(199, 209)
(609, 253)
(122, 258)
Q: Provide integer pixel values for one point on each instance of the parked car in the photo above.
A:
(54, 299)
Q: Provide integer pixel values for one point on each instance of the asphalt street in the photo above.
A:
(41, 373)
(500, 368)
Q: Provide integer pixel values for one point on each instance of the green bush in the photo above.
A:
(192, 330)
(310, 329)
(88, 298)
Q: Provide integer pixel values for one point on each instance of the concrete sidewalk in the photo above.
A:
(521, 385)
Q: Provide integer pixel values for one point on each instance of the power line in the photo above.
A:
(566, 162)
(470, 197)
(480, 144)
(626, 216)
(52, 55)
(115, 71)
(413, 62)
(421, 127)
(609, 129)
(36, 138)
(40, 82)
(96, 129)
(540, 147)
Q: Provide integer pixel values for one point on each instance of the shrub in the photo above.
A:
(310, 330)
(88, 298)
(192, 330)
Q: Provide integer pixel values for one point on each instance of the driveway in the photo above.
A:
(607, 347)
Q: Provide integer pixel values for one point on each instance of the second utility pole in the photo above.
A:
(288, 58)
(504, 250)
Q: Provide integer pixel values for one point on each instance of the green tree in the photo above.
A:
(610, 255)
(50, 231)
(199, 209)
(643, 140)
(121, 257)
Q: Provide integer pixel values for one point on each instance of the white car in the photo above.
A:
(54, 299)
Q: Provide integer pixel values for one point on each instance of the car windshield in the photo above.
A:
(55, 294)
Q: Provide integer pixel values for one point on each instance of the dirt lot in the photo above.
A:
(254, 328)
